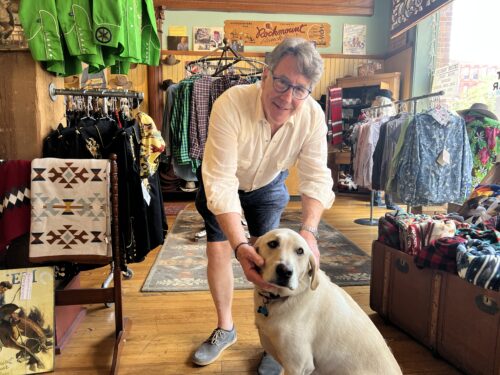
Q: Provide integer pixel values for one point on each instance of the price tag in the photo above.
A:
(26, 286)
(444, 157)
(145, 194)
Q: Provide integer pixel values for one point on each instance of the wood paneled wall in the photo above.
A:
(401, 61)
(27, 114)
(336, 66)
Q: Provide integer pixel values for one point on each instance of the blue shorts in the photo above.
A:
(262, 208)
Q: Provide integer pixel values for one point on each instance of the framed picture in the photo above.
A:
(354, 40)
(207, 38)
(11, 33)
(27, 320)
(178, 43)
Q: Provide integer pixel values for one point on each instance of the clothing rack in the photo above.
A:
(103, 93)
(412, 100)
(105, 295)
(53, 92)
(228, 59)
(370, 221)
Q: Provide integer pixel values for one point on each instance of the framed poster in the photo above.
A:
(27, 320)
(354, 40)
(178, 43)
(11, 32)
(207, 38)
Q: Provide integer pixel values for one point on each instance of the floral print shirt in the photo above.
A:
(484, 138)
(435, 160)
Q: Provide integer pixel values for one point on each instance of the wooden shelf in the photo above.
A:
(389, 81)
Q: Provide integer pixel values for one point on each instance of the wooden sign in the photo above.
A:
(267, 33)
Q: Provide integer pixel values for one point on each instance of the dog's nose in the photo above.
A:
(283, 271)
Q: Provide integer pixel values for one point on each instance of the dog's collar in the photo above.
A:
(268, 297)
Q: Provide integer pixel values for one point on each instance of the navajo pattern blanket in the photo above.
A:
(70, 210)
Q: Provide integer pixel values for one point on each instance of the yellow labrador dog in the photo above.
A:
(309, 324)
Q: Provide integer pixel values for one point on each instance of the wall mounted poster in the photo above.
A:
(27, 320)
(354, 40)
(177, 43)
(207, 38)
(267, 33)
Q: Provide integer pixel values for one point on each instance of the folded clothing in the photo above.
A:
(478, 262)
(441, 254)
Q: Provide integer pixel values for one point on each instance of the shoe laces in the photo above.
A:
(217, 334)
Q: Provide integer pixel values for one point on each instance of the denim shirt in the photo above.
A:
(421, 179)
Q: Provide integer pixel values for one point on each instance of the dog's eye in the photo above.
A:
(273, 244)
(300, 251)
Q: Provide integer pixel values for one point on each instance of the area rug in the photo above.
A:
(181, 263)
(173, 208)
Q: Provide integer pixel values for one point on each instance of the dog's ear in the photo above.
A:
(313, 268)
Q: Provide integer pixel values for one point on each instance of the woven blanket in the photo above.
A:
(14, 200)
(70, 211)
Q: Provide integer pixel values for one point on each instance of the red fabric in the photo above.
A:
(15, 208)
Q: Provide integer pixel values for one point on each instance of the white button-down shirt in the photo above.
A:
(241, 155)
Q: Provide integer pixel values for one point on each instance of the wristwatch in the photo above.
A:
(313, 230)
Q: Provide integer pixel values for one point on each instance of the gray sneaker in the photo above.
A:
(213, 347)
(269, 366)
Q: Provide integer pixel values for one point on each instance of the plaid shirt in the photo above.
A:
(205, 91)
(198, 122)
(180, 124)
(441, 255)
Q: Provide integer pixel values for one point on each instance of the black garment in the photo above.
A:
(143, 226)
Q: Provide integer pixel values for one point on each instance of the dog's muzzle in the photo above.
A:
(283, 274)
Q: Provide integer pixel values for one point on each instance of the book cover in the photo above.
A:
(27, 320)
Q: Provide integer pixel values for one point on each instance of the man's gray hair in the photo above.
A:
(309, 60)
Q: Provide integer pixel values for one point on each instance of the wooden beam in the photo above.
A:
(321, 7)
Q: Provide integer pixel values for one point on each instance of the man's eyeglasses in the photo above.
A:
(282, 85)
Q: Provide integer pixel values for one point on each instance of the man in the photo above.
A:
(183, 44)
(256, 133)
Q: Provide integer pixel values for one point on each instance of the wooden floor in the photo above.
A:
(167, 327)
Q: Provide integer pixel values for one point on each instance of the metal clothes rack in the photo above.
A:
(103, 93)
(370, 221)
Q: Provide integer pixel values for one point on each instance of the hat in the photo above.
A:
(480, 108)
(385, 93)
(170, 60)
(72, 82)
(120, 81)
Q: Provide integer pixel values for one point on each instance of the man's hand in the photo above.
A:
(312, 242)
(250, 262)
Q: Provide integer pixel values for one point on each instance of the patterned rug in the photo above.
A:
(181, 263)
(173, 208)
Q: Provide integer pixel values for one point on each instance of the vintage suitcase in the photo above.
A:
(456, 319)
(469, 326)
(404, 294)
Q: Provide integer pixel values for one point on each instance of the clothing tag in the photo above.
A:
(441, 115)
(26, 286)
(444, 157)
(145, 194)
